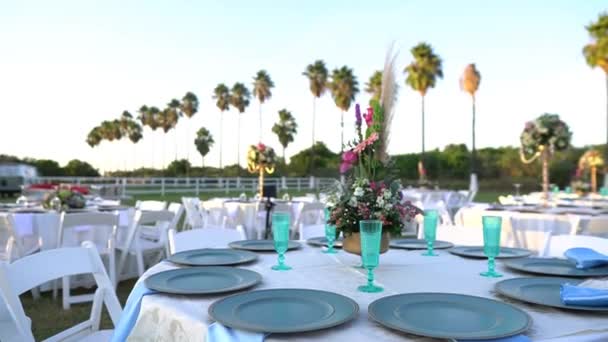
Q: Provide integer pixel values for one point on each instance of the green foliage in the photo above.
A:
(239, 97)
(374, 85)
(326, 162)
(344, 87)
(317, 76)
(285, 129)
(221, 95)
(424, 71)
(79, 168)
(204, 141)
(596, 52)
(262, 85)
(178, 168)
(189, 104)
(46, 167)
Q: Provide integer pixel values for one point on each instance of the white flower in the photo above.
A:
(358, 191)
(387, 194)
(380, 201)
(353, 201)
(388, 206)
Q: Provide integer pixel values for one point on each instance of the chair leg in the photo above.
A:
(65, 290)
(112, 268)
(140, 263)
(35, 293)
(55, 288)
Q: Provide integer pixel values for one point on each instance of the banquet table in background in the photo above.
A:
(535, 227)
(185, 318)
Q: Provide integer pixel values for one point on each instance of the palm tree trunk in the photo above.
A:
(342, 132)
(284, 160)
(175, 142)
(422, 154)
(260, 140)
(606, 147)
(311, 163)
(221, 129)
(473, 151)
(238, 144)
(163, 165)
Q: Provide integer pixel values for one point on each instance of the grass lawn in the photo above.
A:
(48, 316)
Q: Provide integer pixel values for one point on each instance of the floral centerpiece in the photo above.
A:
(540, 139)
(64, 198)
(590, 160)
(261, 158)
(363, 196)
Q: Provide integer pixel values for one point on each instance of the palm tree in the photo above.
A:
(189, 107)
(239, 99)
(167, 119)
(203, 142)
(261, 89)
(374, 85)
(174, 113)
(344, 87)
(317, 78)
(596, 52)
(469, 82)
(221, 95)
(94, 137)
(285, 129)
(422, 74)
(148, 116)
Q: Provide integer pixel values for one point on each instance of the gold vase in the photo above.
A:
(352, 243)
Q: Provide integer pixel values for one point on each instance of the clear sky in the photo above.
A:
(67, 65)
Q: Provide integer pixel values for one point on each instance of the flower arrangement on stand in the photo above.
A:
(590, 160)
(364, 196)
(540, 139)
(64, 198)
(261, 159)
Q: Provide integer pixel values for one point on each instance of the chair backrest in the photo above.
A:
(596, 226)
(312, 215)
(178, 210)
(203, 238)
(558, 244)
(151, 205)
(91, 226)
(37, 269)
(8, 238)
(194, 216)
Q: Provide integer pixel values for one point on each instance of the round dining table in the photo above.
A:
(166, 317)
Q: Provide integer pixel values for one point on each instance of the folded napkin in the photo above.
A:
(586, 257)
(220, 333)
(583, 296)
(130, 312)
(516, 338)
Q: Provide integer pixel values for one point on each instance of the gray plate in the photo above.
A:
(418, 244)
(477, 252)
(321, 241)
(212, 257)
(202, 280)
(449, 316)
(558, 267)
(540, 290)
(260, 245)
(284, 310)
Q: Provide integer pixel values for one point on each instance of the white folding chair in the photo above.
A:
(178, 210)
(13, 246)
(194, 216)
(34, 270)
(595, 226)
(100, 229)
(151, 205)
(558, 244)
(526, 224)
(310, 221)
(137, 246)
(203, 238)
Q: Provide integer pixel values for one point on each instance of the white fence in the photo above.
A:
(139, 186)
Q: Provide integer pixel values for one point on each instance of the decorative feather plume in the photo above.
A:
(388, 100)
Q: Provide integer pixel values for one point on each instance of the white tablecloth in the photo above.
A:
(181, 318)
(535, 227)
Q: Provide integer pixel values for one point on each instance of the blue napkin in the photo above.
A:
(586, 257)
(583, 296)
(130, 312)
(516, 338)
(220, 333)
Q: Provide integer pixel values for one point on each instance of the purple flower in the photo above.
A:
(344, 167)
(358, 114)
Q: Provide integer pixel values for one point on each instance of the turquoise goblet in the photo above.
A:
(491, 243)
(280, 234)
(330, 235)
(430, 231)
(371, 233)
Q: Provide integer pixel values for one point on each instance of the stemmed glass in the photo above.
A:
(517, 186)
(330, 234)
(280, 234)
(371, 233)
(491, 243)
(430, 231)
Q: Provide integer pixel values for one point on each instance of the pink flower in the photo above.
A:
(369, 117)
(344, 167)
(261, 147)
(365, 143)
(349, 157)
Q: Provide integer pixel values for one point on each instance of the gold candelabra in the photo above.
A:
(261, 168)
